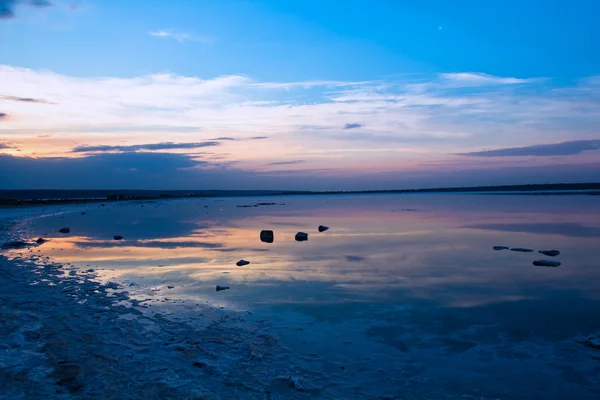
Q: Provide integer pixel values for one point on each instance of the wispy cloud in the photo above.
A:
(181, 36)
(5, 146)
(148, 147)
(232, 139)
(479, 79)
(24, 99)
(541, 150)
(291, 162)
(7, 7)
(352, 126)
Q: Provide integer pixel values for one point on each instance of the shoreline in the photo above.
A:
(24, 203)
(64, 334)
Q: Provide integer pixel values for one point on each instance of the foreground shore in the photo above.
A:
(64, 334)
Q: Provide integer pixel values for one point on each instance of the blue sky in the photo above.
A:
(350, 94)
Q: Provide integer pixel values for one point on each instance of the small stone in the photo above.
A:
(170, 287)
(323, 228)
(549, 253)
(89, 270)
(241, 263)
(118, 237)
(521, 249)
(64, 230)
(301, 236)
(219, 288)
(40, 240)
(498, 248)
(267, 236)
(83, 213)
(546, 263)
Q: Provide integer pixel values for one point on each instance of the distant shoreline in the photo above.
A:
(13, 198)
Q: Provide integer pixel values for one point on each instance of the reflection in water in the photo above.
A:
(423, 282)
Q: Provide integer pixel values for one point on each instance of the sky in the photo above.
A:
(298, 95)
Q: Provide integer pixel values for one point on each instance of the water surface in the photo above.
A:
(403, 294)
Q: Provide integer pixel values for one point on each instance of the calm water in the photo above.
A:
(402, 291)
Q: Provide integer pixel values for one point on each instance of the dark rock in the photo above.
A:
(170, 287)
(118, 237)
(83, 213)
(549, 253)
(219, 288)
(546, 263)
(267, 236)
(323, 228)
(241, 263)
(89, 270)
(590, 342)
(498, 248)
(521, 249)
(40, 240)
(301, 236)
(64, 230)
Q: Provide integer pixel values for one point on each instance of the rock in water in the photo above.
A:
(549, 253)
(546, 263)
(267, 236)
(301, 237)
(498, 248)
(521, 249)
(323, 228)
(118, 237)
(64, 230)
(219, 288)
(241, 263)
(40, 240)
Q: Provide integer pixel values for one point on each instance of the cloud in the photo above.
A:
(3, 116)
(24, 99)
(180, 36)
(168, 171)
(7, 7)
(291, 162)
(408, 125)
(228, 138)
(5, 146)
(541, 150)
(150, 147)
(352, 126)
(479, 79)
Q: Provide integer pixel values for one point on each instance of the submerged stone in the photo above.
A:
(549, 253)
(521, 249)
(301, 236)
(498, 248)
(323, 228)
(118, 237)
(546, 263)
(64, 230)
(267, 236)
(241, 263)
(219, 288)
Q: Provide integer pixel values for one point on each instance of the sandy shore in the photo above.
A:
(63, 334)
